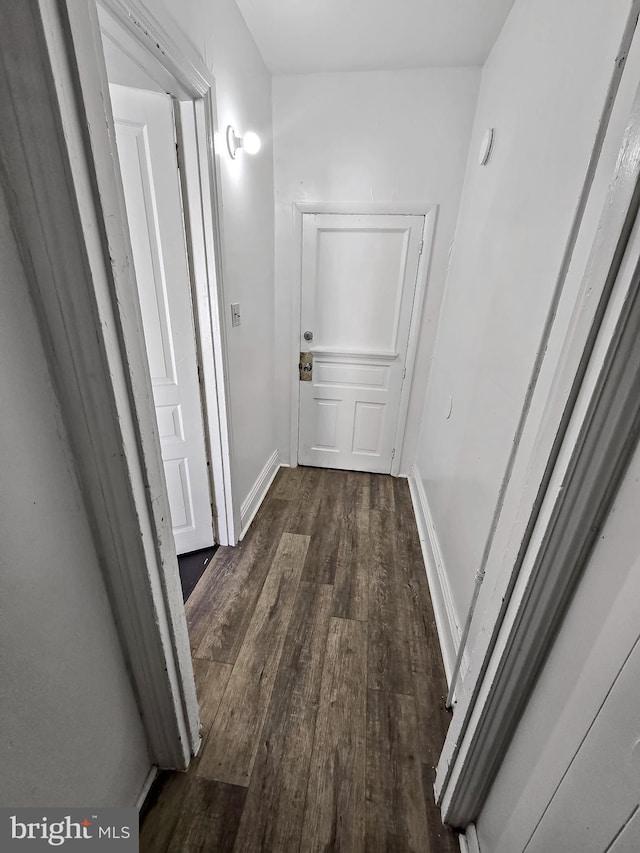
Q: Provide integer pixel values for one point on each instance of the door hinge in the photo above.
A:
(404, 372)
(420, 247)
(393, 453)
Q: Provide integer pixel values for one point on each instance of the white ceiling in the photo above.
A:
(298, 36)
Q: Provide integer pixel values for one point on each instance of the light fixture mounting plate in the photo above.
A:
(233, 143)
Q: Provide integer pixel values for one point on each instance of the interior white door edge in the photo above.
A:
(201, 214)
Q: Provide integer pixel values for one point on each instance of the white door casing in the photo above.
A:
(358, 283)
(146, 150)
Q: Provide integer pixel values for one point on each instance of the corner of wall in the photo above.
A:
(258, 491)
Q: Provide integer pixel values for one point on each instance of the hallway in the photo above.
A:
(319, 678)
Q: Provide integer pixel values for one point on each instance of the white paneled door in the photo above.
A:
(358, 284)
(147, 152)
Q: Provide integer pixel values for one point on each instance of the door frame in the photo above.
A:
(172, 63)
(59, 171)
(426, 209)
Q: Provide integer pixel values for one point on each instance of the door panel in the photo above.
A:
(146, 149)
(358, 286)
(367, 428)
(358, 283)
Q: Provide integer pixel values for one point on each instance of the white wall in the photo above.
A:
(556, 734)
(600, 628)
(361, 137)
(543, 90)
(243, 88)
(70, 731)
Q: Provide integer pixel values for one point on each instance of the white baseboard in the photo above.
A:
(259, 489)
(146, 787)
(447, 623)
(471, 839)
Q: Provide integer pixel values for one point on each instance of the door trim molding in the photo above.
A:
(426, 209)
(592, 421)
(68, 213)
(168, 59)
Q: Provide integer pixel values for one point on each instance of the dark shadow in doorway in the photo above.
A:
(192, 567)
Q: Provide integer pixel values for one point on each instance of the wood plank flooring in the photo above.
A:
(320, 682)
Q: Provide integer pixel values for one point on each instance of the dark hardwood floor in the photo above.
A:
(320, 682)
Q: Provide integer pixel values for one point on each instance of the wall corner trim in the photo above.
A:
(252, 502)
(444, 608)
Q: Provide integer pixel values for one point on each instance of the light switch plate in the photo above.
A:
(235, 313)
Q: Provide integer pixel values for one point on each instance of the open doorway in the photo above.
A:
(150, 178)
(158, 151)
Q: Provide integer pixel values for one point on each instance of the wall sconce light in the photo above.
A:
(250, 142)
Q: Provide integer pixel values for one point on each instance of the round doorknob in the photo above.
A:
(308, 336)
